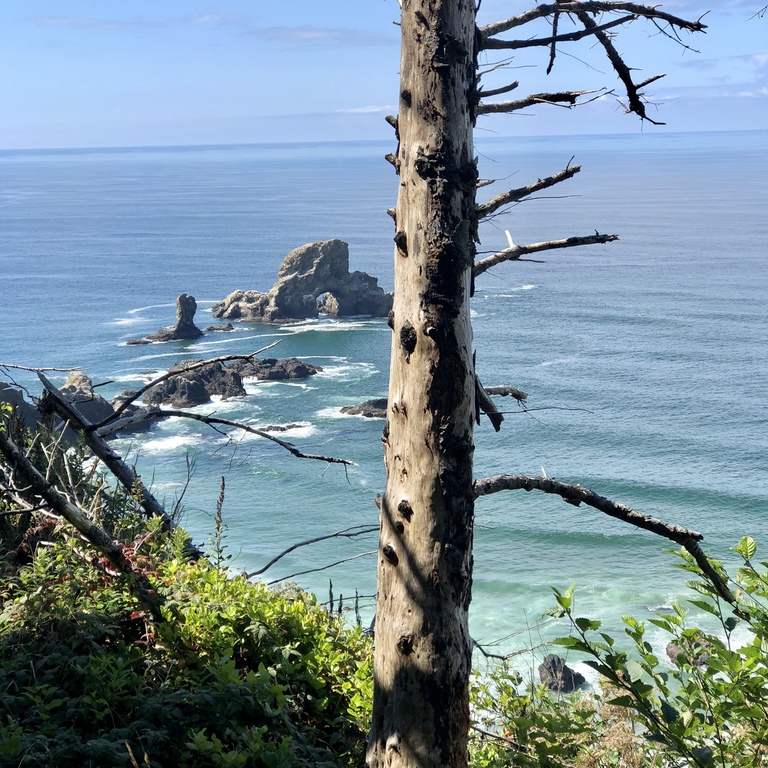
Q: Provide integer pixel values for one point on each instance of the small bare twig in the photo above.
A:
(516, 195)
(322, 568)
(514, 253)
(214, 421)
(346, 533)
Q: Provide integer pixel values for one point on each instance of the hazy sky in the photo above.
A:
(81, 73)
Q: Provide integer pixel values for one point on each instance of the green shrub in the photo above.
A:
(235, 674)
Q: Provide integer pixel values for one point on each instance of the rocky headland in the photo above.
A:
(312, 279)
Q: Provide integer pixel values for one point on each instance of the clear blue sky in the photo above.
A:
(82, 73)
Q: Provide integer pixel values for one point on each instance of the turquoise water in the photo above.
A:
(644, 360)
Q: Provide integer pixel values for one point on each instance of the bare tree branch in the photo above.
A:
(635, 100)
(487, 406)
(563, 99)
(213, 421)
(541, 11)
(94, 534)
(345, 533)
(322, 568)
(125, 474)
(482, 93)
(553, 43)
(515, 195)
(514, 253)
(507, 391)
(576, 495)
(567, 37)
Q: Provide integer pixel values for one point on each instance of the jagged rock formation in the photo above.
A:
(558, 676)
(371, 409)
(131, 410)
(190, 388)
(185, 327)
(78, 390)
(314, 270)
(271, 369)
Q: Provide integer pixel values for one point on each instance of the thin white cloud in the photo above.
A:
(364, 110)
(83, 22)
(326, 36)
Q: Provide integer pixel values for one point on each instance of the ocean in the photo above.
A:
(645, 360)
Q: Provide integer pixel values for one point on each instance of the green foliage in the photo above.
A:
(235, 674)
(710, 708)
(531, 727)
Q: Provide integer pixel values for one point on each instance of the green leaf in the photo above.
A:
(622, 701)
(668, 712)
(585, 625)
(746, 547)
(633, 670)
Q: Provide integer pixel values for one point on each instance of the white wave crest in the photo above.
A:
(169, 444)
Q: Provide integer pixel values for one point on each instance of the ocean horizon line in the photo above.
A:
(20, 151)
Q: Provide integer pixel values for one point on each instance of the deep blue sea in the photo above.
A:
(646, 360)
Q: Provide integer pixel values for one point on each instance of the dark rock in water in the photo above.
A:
(136, 342)
(558, 676)
(78, 390)
(26, 413)
(130, 411)
(185, 328)
(219, 328)
(372, 409)
(195, 387)
(314, 270)
(698, 656)
(280, 427)
(271, 369)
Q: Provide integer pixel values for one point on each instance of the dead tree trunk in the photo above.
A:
(423, 647)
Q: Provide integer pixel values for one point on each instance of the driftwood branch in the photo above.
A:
(549, 9)
(565, 99)
(516, 195)
(517, 251)
(126, 475)
(577, 495)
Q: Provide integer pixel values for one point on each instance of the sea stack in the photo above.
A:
(185, 328)
(312, 279)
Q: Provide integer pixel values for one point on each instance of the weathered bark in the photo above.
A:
(423, 647)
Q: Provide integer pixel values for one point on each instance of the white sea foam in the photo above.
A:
(169, 444)
(137, 310)
(558, 361)
(330, 326)
(128, 321)
(349, 372)
(301, 430)
(228, 337)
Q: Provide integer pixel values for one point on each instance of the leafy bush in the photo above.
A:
(235, 674)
